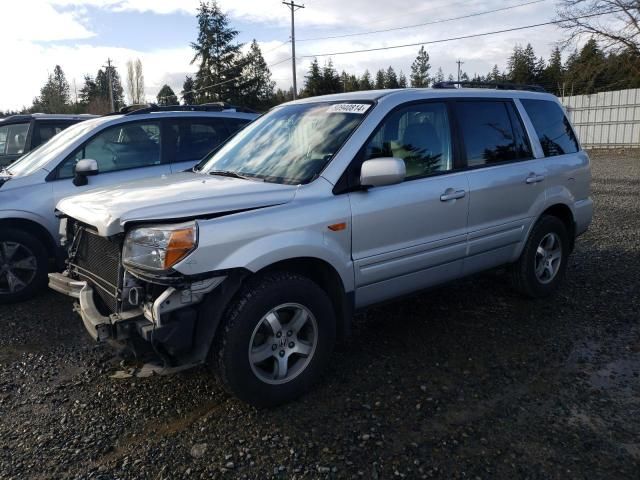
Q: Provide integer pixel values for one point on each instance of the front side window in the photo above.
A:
(13, 138)
(552, 127)
(124, 146)
(419, 135)
(490, 133)
(291, 144)
(190, 140)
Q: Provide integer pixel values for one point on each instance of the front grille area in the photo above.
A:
(97, 260)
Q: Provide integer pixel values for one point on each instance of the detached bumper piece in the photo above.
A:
(100, 327)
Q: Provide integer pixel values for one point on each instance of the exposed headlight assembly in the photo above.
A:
(159, 248)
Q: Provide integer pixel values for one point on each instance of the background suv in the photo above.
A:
(255, 262)
(19, 134)
(96, 153)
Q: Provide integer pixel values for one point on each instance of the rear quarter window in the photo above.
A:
(552, 127)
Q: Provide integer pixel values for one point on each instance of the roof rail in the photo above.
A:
(494, 85)
(205, 107)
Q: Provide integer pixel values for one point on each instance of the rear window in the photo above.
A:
(552, 127)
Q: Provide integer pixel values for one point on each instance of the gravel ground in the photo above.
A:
(467, 381)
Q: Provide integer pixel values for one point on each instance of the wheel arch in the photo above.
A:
(35, 229)
(564, 213)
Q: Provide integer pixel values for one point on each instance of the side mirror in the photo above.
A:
(378, 172)
(83, 169)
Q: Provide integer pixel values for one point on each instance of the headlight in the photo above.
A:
(159, 248)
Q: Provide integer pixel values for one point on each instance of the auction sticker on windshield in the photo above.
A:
(349, 108)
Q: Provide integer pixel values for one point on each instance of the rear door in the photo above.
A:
(124, 152)
(188, 140)
(504, 180)
(412, 235)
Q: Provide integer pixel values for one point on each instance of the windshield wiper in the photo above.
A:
(228, 173)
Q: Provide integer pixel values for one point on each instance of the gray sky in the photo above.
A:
(80, 35)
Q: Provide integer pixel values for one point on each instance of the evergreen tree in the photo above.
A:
(365, 82)
(380, 80)
(553, 75)
(102, 85)
(420, 70)
(218, 56)
(522, 65)
(257, 86)
(166, 96)
(313, 80)
(391, 79)
(587, 71)
(187, 93)
(494, 75)
(439, 77)
(330, 79)
(402, 80)
(450, 78)
(54, 95)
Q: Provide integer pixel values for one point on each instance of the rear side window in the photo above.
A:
(235, 124)
(552, 127)
(190, 139)
(491, 133)
(44, 131)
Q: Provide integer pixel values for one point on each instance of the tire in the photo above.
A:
(248, 325)
(537, 274)
(24, 265)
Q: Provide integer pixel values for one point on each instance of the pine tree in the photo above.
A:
(313, 80)
(553, 75)
(365, 81)
(391, 79)
(257, 86)
(218, 56)
(166, 96)
(420, 70)
(380, 80)
(330, 79)
(439, 76)
(402, 80)
(102, 85)
(187, 93)
(494, 75)
(54, 95)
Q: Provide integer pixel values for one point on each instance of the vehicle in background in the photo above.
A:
(19, 134)
(96, 153)
(256, 262)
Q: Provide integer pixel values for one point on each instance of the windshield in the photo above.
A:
(41, 156)
(290, 144)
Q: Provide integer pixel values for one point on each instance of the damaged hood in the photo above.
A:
(172, 197)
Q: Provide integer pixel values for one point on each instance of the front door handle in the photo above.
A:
(451, 194)
(533, 178)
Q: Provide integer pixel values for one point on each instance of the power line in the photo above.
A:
(432, 22)
(462, 37)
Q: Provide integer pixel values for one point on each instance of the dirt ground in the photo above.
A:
(467, 381)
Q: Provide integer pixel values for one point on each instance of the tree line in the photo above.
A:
(226, 74)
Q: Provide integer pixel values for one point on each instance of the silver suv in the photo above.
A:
(255, 263)
(96, 153)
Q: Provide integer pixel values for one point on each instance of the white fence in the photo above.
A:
(607, 119)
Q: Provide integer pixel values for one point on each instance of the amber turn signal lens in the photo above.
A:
(336, 227)
(180, 244)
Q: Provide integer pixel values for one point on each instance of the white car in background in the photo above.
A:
(148, 142)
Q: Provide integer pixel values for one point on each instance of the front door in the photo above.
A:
(409, 236)
(124, 152)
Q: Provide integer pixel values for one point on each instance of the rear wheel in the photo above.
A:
(541, 267)
(276, 339)
(23, 265)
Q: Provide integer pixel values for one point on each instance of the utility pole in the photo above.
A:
(108, 67)
(293, 7)
(459, 62)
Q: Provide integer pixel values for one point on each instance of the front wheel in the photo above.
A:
(541, 267)
(23, 265)
(276, 339)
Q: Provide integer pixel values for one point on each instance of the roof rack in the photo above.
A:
(205, 107)
(494, 85)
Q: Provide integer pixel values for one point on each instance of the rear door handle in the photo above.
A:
(451, 194)
(533, 178)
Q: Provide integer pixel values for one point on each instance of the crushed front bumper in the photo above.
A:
(99, 326)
